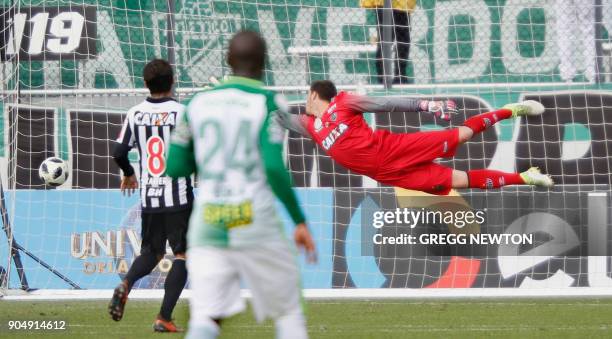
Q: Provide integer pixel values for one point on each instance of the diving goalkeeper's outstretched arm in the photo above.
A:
(442, 109)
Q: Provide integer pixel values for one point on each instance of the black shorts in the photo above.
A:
(159, 227)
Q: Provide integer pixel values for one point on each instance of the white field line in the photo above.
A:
(338, 294)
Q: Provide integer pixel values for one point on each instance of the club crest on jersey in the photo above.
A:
(155, 119)
(331, 138)
(318, 124)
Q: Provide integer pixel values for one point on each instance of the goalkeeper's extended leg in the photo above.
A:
(406, 156)
(480, 122)
(487, 179)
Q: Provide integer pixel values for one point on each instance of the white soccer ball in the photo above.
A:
(53, 171)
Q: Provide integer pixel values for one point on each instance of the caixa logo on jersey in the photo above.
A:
(48, 33)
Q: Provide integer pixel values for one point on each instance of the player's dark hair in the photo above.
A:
(158, 76)
(325, 89)
(247, 54)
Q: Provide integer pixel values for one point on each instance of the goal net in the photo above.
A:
(71, 69)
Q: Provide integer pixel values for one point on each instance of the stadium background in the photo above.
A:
(483, 54)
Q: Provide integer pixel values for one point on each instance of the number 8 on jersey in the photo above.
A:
(156, 163)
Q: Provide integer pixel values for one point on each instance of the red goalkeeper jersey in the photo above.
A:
(398, 159)
(344, 134)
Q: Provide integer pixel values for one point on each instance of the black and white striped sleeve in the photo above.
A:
(126, 136)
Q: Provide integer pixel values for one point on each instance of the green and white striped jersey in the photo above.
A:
(230, 137)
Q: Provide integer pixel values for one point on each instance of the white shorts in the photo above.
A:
(269, 270)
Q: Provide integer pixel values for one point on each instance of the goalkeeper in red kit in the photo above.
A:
(335, 122)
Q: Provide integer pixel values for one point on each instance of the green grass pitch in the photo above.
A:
(487, 318)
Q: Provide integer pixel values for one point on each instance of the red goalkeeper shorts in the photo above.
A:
(407, 160)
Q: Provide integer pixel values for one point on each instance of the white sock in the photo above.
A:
(291, 326)
(207, 329)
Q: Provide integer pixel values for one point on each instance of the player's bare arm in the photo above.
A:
(129, 185)
(303, 240)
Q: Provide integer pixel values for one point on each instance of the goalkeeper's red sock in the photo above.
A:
(485, 179)
(480, 122)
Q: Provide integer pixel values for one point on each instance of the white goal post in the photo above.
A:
(64, 94)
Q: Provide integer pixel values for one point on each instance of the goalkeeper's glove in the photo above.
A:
(442, 109)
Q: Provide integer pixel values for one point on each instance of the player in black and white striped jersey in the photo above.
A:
(166, 203)
(147, 127)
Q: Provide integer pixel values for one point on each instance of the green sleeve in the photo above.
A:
(181, 159)
(181, 162)
(276, 173)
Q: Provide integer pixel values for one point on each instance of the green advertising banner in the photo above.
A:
(454, 41)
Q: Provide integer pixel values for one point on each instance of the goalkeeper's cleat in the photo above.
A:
(534, 177)
(162, 325)
(117, 303)
(527, 107)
